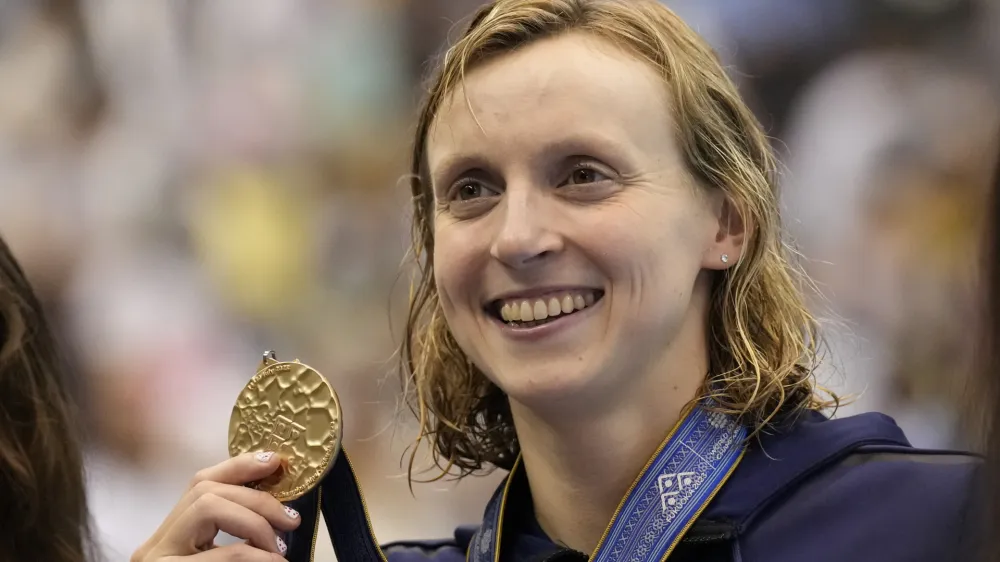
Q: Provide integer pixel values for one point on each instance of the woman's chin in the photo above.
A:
(555, 387)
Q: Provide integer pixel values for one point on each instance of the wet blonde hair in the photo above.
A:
(763, 340)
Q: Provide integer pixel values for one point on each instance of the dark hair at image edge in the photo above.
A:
(42, 494)
(986, 411)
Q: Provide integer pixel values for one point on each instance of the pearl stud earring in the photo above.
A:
(725, 258)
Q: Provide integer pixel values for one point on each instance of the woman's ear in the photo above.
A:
(730, 237)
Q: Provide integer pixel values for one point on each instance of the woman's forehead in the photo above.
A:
(573, 85)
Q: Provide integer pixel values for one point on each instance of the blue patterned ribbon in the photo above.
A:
(673, 489)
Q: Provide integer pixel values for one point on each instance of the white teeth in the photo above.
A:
(554, 307)
(540, 309)
(526, 313)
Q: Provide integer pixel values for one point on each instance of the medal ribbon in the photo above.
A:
(679, 481)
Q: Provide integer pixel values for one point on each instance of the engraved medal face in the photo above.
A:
(290, 409)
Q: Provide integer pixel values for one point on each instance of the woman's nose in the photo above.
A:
(525, 237)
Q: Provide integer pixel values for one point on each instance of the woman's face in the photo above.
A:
(571, 242)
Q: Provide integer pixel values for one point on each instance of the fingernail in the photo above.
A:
(282, 547)
(291, 512)
(264, 456)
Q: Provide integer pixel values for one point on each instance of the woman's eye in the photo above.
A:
(470, 197)
(470, 190)
(583, 176)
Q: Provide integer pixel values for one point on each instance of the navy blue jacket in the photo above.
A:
(822, 490)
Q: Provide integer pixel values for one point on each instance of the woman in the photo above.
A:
(42, 499)
(596, 218)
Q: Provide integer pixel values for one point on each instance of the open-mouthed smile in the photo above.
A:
(529, 312)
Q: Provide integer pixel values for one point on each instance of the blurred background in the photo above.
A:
(191, 182)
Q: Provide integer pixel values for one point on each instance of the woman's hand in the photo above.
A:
(217, 500)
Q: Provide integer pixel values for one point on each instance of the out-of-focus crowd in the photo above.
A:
(191, 182)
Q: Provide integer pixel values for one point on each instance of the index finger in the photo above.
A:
(241, 469)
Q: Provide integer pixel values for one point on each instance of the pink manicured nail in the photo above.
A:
(291, 512)
(264, 456)
(282, 547)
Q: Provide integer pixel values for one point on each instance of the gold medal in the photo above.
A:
(290, 409)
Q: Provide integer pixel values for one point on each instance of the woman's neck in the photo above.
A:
(580, 466)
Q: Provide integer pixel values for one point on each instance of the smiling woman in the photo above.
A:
(607, 311)
(557, 168)
(556, 174)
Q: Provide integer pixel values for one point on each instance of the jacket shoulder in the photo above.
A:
(881, 503)
(858, 480)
